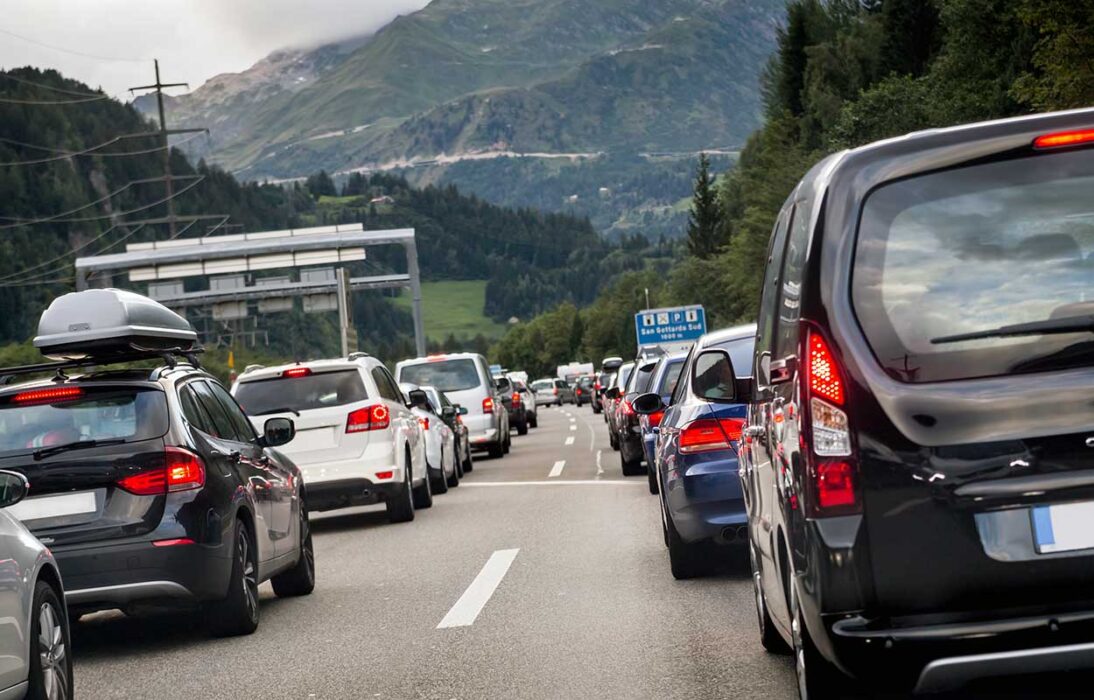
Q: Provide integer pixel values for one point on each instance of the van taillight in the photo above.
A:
(1062, 139)
(488, 405)
(369, 418)
(183, 470)
(832, 463)
(708, 434)
(516, 397)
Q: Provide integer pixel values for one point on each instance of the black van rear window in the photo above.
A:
(971, 250)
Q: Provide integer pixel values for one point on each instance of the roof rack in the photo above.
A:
(253, 368)
(169, 356)
(357, 356)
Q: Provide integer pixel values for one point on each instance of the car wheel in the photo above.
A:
(454, 480)
(438, 482)
(50, 675)
(468, 463)
(400, 506)
(770, 638)
(817, 678)
(508, 442)
(237, 613)
(423, 493)
(459, 466)
(522, 427)
(533, 421)
(613, 441)
(651, 477)
(299, 580)
(630, 467)
(685, 559)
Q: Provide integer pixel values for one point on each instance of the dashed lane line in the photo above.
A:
(478, 594)
(570, 440)
(557, 469)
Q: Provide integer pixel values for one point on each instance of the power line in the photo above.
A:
(10, 101)
(24, 81)
(57, 218)
(62, 256)
(70, 51)
(92, 151)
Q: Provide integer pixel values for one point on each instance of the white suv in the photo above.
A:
(357, 442)
(465, 379)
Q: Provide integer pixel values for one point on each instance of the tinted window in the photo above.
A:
(541, 384)
(770, 295)
(385, 386)
(222, 424)
(193, 412)
(624, 374)
(243, 429)
(99, 414)
(319, 390)
(789, 303)
(446, 375)
(641, 378)
(974, 249)
(669, 376)
(741, 351)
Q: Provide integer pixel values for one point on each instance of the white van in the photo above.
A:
(465, 379)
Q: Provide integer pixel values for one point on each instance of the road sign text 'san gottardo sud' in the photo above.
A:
(671, 326)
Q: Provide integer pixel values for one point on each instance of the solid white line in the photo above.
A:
(477, 595)
(557, 469)
(557, 482)
(570, 440)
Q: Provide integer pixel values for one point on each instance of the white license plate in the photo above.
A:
(1063, 528)
(54, 506)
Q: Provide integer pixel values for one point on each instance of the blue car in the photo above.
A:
(696, 450)
(661, 383)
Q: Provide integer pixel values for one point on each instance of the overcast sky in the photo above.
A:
(193, 39)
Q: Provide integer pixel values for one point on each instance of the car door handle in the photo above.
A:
(234, 456)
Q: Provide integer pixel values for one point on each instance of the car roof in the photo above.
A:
(440, 358)
(146, 378)
(320, 365)
(724, 334)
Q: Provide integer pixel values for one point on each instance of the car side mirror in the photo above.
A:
(13, 488)
(448, 411)
(713, 378)
(645, 404)
(612, 393)
(462, 410)
(418, 399)
(504, 385)
(277, 432)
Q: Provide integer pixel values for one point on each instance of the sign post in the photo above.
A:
(672, 328)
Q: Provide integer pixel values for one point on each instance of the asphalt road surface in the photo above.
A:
(544, 575)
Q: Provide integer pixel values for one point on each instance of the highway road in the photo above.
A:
(544, 575)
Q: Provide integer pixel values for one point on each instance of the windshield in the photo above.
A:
(974, 249)
(543, 384)
(670, 375)
(446, 375)
(312, 391)
(128, 414)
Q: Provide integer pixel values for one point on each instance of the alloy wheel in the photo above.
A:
(799, 647)
(249, 572)
(307, 550)
(52, 653)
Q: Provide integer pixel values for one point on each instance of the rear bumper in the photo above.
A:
(704, 497)
(107, 576)
(482, 439)
(347, 493)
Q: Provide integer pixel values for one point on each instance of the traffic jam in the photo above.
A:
(882, 485)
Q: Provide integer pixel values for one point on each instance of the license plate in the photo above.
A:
(54, 506)
(1063, 528)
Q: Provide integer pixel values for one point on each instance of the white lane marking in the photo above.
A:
(557, 482)
(599, 467)
(570, 440)
(477, 595)
(557, 469)
(573, 427)
(573, 419)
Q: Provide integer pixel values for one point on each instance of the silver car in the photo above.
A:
(34, 636)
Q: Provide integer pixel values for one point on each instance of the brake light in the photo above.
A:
(172, 543)
(626, 409)
(385, 475)
(835, 485)
(556, 391)
(655, 418)
(824, 374)
(424, 422)
(182, 471)
(596, 386)
(516, 397)
(708, 434)
(578, 391)
(1064, 138)
(488, 405)
(296, 372)
(369, 418)
(43, 396)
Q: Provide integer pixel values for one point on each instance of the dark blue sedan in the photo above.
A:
(696, 450)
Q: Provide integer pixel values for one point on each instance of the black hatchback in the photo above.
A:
(918, 458)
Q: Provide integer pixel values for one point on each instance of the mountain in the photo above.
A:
(643, 84)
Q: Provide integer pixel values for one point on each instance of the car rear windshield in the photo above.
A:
(641, 378)
(30, 420)
(971, 250)
(541, 384)
(311, 391)
(446, 375)
(670, 375)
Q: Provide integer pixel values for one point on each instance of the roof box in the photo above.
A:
(104, 322)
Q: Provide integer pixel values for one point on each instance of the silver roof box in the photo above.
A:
(104, 322)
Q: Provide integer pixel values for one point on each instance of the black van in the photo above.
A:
(918, 459)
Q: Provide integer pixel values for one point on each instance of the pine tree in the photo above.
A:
(705, 218)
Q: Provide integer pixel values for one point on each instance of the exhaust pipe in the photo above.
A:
(734, 533)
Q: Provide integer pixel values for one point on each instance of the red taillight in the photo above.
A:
(556, 391)
(596, 386)
(626, 409)
(368, 418)
(488, 405)
(823, 372)
(1064, 138)
(424, 422)
(296, 372)
(708, 434)
(183, 470)
(384, 475)
(516, 397)
(53, 395)
(835, 486)
(578, 391)
(172, 543)
(655, 418)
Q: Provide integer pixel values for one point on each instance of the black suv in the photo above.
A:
(151, 487)
(918, 463)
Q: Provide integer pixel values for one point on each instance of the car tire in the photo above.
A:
(299, 580)
(400, 503)
(630, 467)
(459, 467)
(651, 477)
(522, 427)
(237, 614)
(613, 441)
(423, 493)
(533, 421)
(49, 638)
(508, 442)
(468, 464)
(817, 678)
(685, 559)
(770, 638)
(438, 482)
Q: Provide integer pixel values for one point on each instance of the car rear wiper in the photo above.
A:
(44, 452)
(1055, 326)
(279, 410)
